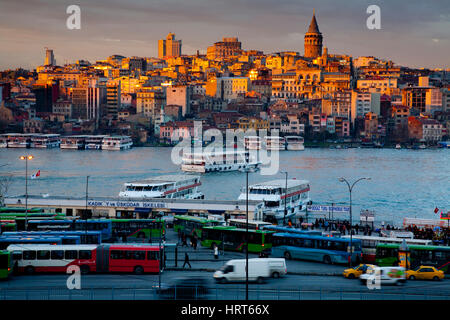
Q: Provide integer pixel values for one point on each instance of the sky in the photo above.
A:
(413, 33)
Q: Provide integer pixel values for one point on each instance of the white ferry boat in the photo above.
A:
(117, 143)
(204, 162)
(294, 143)
(275, 143)
(94, 142)
(170, 187)
(73, 142)
(273, 194)
(252, 143)
(45, 141)
(19, 140)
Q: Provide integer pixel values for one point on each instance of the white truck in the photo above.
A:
(384, 275)
(258, 270)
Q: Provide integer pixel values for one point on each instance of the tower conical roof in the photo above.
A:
(313, 27)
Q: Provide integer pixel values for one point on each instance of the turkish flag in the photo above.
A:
(436, 210)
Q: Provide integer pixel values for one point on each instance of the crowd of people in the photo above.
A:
(437, 234)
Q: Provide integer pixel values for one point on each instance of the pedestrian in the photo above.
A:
(216, 252)
(194, 242)
(184, 244)
(290, 223)
(186, 260)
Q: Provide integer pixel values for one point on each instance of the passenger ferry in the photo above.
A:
(73, 142)
(252, 143)
(170, 187)
(94, 142)
(204, 162)
(273, 194)
(294, 143)
(275, 143)
(19, 140)
(117, 143)
(46, 141)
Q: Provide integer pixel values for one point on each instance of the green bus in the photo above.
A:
(437, 256)
(190, 226)
(234, 239)
(21, 210)
(7, 226)
(20, 217)
(132, 229)
(6, 264)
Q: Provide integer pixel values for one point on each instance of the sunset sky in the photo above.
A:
(413, 33)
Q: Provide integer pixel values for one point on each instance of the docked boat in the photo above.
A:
(117, 143)
(94, 142)
(203, 162)
(275, 143)
(45, 141)
(3, 141)
(295, 143)
(273, 194)
(19, 140)
(252, 143)
(169, 186)
(398, 146)
(422, 146)
(73, 142)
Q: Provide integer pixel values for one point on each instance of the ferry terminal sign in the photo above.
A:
(127, 204)
(336, 209)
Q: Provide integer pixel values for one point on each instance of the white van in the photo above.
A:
(384, 275)
(258, 270)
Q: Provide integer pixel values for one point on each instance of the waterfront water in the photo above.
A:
(405, 183)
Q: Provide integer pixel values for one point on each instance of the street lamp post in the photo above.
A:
(246, 238)
(26, 158)
(285, 198)
(350, 188)
(160, 215)
(86, 210)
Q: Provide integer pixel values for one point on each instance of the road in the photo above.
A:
(137, 287)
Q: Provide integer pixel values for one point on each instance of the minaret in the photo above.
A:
(313, 39)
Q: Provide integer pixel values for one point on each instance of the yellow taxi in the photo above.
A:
(355, 272)
(425, 273)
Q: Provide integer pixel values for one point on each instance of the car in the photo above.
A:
(384, 275)
(357, 271)
(189, 288)
(425, 273)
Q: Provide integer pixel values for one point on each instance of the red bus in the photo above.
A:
(137, 258)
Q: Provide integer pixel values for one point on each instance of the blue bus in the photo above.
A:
(315, 248)
(281, 229)
(89, 237)
(102, 225)
(5, 241)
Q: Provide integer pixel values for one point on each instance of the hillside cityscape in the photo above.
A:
(318, 94)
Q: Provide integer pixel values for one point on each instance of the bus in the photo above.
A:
(86, 237)
(190, 226)
(104, 258)
(315, 248)
(6, 264)
(102, 225)
(252, 224)
(436, 256)
(234, 239)
(281, 229)
(6, 241)
(7, 225)
(21, 210)
(369, 244)
(133, 229)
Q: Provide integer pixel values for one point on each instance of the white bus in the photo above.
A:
(252, 224)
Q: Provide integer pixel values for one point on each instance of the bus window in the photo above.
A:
(17, 255)
(57, 255)
(152, 255)
(29, 255)
(139, 255)
(116, 254)
(43, 254)
(85, 254)
(71, 254)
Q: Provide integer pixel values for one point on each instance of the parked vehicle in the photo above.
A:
(425, 273)
(357, 271)
(384, 275)
(258, 270)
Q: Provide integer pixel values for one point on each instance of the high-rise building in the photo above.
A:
(49, 58)
(169, 47)
(313, 40)
(223, 49)
(179, 95)
(113, 98)
(46, 93)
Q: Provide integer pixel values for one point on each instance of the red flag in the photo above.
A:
(436, 210)
(37, 174)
